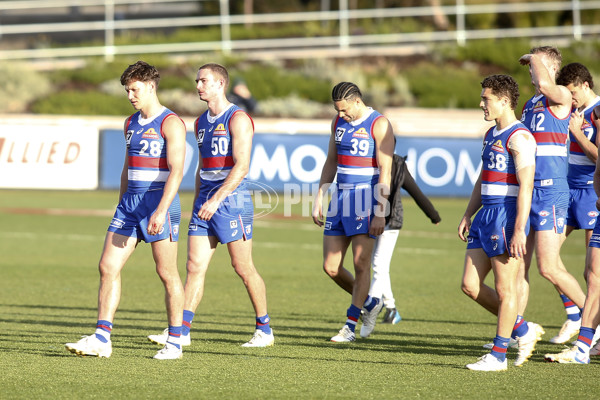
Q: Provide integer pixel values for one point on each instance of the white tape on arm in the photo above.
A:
(524, 147)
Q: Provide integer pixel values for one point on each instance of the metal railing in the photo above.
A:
(343, 41)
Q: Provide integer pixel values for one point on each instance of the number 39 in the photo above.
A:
(359, 146)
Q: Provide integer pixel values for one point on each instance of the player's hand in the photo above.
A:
(525, 59)
(518, 244)
(575, 121)
(317, 212)
(463, 228)
(377, 226)
(156, 223)
(208, 209)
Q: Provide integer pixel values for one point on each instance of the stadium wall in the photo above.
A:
(443, 149)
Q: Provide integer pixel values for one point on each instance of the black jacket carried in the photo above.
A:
(402, 179)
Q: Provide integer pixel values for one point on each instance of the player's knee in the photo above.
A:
(470, 289)
(593, 280)
(362, 263)
(244, 268)
(194, 267)
(167, 273)
(505, 291)
(331, 270)
(107, 270)
(548, 273)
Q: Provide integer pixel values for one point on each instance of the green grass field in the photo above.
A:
(50, 243)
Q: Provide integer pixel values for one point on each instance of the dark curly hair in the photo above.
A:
(503, 85)
(576, 74)
(140, 71)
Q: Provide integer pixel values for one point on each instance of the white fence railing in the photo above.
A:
(343, 41)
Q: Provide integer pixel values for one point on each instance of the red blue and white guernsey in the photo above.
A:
(147, 152)
(551, 134)
(356, 156)
(215, 146)
(581, 168)
(499, 184)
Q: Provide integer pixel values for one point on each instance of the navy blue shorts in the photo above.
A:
(350, 212)
(549, 209)
(134, 211)
(492, 229)
(582, 212)
(595, 239)
(232, 221)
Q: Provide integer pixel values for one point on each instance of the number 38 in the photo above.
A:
(497, 161)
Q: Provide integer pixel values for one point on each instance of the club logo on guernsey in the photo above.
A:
(361, 133)
(150, 134)
(586, 124)
(248, 229)
(560, 222)
(498, 146)
(220, 130)
(339, 133)
(200, 137)
(175, 229)
(128, 137)
(539, 107)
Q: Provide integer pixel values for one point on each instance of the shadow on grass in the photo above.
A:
(292, 332)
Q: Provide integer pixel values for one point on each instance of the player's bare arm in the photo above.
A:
(558, 96)
(174, 132)
(124, 172)
(597, 180)
(472, 207)
(241, 131)
(523, 147)
(575, 126)
(327, 176)
(383, 135)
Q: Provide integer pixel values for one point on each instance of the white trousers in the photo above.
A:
(381, 285)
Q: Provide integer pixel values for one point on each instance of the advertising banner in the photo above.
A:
(441, 166)
(48, 157)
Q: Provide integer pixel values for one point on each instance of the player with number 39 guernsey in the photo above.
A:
(360, 153)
